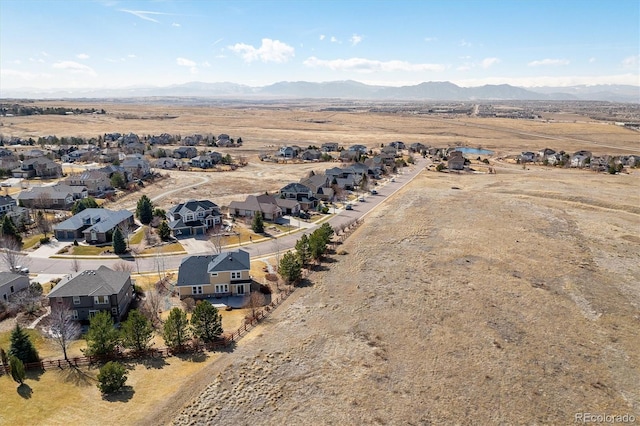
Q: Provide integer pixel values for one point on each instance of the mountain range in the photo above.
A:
(427, 91)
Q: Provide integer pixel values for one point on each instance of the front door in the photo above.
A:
(240, 289)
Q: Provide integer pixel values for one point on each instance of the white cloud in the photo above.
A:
(144, 14)
(16, 61)
(82, 56)
(430, 39)
(592, 60)
(464, 68)
(43, 53)
(206, 64)
(488, 62)
(217, 41)
(631, 62)
(334, 40)
(183, 62)
(75, 67)
(131, 56)
(369, 65)
(269, 51)
(355, 39)
(175, 24)
(561, 81)
(464, 43)
(322, 37)
(548, 62)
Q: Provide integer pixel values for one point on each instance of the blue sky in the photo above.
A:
(107, 44)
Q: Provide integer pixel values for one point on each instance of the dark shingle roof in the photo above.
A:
(100, 282)
(195, 270)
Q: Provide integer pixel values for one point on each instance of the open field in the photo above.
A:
(512, 300)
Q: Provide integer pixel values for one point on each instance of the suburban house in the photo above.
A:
(9, 207)
(527, 157)
(301, 193)
(456, 161)
(136, 166)
(320, 185)
(358, 148)
(92, 291)
(287, 152)
(165, 163)
(225, 274)
(97, 182)
(206, 160)
(348, 155)
(580, 159)
(311, 155)
(329, 147)
(185, 152)
(94, 225)
(417, 147)
(52, 197)
(37, 167)
(398, 145)
(252, 205)
(11, 283)
(193, 217)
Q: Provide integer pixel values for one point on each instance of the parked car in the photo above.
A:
(348, 207)
(374, 192)
(393, 179)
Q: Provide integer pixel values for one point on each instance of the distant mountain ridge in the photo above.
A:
(348, 89)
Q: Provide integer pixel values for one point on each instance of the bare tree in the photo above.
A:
(64, 329)
(151, 306)
(126, 229)
(75, 264)
(43, 222)
(135, 250)
(123, 266)
(217, 238)
(256, 301)
(10, 255)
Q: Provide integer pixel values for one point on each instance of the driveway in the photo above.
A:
(198, 244)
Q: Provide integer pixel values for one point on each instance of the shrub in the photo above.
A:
(45, 240)
(112, 377)
(189, 304)
(265, 289)
(17, 369)
(75, 243)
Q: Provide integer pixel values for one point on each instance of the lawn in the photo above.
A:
(168, 248)
(31, 241)
(88, 250)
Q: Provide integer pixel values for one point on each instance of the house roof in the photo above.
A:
(7, 277)
(100, 282)
(296, 187)
(195, 270)
(252, 203)
(194, 206)
(56, 192)
(7, 200)
(107, 220)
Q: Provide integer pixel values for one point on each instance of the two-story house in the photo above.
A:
(11, 283)
(97, 182)
(92, 291)
(94, 225)
(38, 167)
(301, 193)
(185, 152)
(224, 274)
(193, 217)
(52, 197)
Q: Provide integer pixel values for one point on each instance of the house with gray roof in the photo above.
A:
(52, 197)
(94, 225)
(224, 274)
(11, 283)
(38, 167)
(193, 217)
(252, 205)
(96, 181)
(92, 291)
(301, 193)
(9, 206)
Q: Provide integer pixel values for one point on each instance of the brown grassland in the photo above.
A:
(514, 299)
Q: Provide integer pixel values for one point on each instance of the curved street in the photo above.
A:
(149, 264)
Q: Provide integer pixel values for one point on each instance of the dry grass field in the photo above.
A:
(514, 299)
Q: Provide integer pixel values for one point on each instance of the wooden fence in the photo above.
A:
(224, 341)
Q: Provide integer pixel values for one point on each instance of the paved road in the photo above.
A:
(259, 249)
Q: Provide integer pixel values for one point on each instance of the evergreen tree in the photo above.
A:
(164, 231)
(9, 229)
(118, 181)
(119, 244)
(102, 337)
(206, 322)
(112, 377)
(302, 250)
(22, 347)
(136, 332)
(144, 210)
(17, 369)
(290, 268)
(258, 224)
(176, 329)
(85, 203)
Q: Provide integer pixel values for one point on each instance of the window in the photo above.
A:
(92, 313)
(214, 274)
(222, 288)
(196, 289)
(12, 290)
(76, 300)
(114, 311)
(240, 289)
(236, 275)
(75, 314)
(100, 300)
